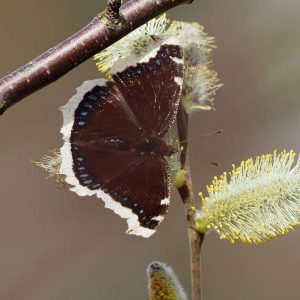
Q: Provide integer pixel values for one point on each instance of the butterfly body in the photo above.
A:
(154, 145)
(145, 145)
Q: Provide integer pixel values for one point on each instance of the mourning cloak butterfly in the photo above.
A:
(113, 137)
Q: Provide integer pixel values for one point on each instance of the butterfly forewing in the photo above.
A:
(152, 88)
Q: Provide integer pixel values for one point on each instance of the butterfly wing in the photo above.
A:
(135, 186)
(152, 87)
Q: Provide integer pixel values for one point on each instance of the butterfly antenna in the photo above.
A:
(202, 135)
(206, 160)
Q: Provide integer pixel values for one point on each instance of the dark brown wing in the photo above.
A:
(134, 185)
(152, 88)
(103, 112)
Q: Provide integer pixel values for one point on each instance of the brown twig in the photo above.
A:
(105, 29)
(186, 193)
(113, 10)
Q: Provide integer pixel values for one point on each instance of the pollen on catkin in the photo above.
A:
(200, 85)
(163, 283)
(255, 202)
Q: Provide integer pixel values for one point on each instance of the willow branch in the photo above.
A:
(105, 29)
(186, 193)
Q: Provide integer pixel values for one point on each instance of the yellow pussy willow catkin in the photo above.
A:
(255, 202)
(163, 283)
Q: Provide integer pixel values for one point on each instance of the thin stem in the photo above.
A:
(186, 193)
(105, 29)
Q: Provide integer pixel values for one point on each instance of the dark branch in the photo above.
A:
(100, 33)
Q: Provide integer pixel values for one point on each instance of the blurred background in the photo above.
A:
(58, 246)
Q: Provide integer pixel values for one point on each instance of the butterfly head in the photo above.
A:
(156, 146)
